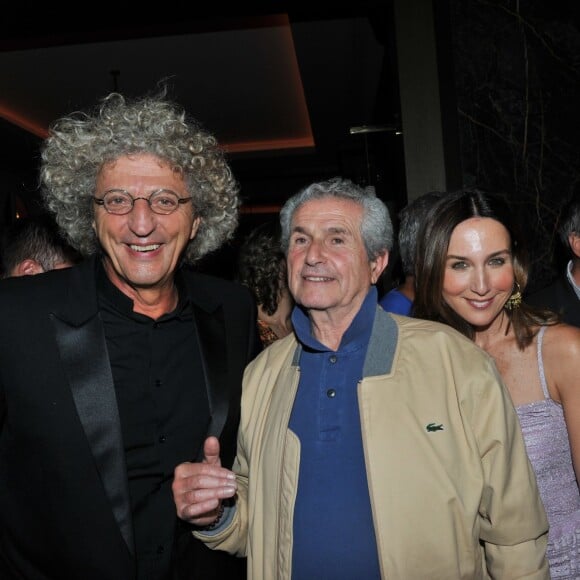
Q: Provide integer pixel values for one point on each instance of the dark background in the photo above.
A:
(517, 71)
(515, 79)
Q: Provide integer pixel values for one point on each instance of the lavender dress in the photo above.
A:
(548, 448)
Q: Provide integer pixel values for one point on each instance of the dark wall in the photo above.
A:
(517, 73)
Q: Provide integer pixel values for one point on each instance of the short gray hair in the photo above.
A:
(376, 226)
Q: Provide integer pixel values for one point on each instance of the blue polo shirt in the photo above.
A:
(396, 302)
(333, 529)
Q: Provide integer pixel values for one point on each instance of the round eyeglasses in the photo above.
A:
(120, 202)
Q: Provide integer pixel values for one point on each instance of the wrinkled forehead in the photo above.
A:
(328, 212)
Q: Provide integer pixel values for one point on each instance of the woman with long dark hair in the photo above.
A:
(471, 271)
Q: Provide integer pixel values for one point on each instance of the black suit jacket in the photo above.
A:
(64, 504)
(559, 297)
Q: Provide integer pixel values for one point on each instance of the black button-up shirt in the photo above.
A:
(164, 412)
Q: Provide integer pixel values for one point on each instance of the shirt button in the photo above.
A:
(332, 358)
(331, 393)
(162, 439)
(160, 549)
(158, 382)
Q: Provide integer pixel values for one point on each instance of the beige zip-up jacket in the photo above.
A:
(446, 463)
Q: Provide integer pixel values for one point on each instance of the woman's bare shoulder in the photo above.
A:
(562, 342)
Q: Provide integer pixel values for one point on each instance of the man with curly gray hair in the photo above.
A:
(114, 371)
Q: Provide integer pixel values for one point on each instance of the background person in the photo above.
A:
(114, 371)
(262, 268)
(399, 300)
(33, 245)
(370, 445)
(563, 295)
(471, 270)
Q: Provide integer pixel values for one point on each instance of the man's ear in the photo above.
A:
(378, 265)
(574, 241)
(194, 227)
(28, 267)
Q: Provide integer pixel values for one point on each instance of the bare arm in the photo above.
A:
(562, 361)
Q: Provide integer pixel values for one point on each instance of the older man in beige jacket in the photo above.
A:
(444, 489)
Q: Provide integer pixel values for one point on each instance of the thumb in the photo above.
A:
(211, 451)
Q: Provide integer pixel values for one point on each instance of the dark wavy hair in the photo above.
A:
(433, 244)
(79, 145)
(262, 265)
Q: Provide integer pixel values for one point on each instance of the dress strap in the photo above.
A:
(541, 363)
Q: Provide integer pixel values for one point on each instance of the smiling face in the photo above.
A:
(142, 248)
(329, 271)
(479, 274)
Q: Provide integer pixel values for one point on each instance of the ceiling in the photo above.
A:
(293, 96)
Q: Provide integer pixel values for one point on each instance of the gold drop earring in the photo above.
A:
(515, 300)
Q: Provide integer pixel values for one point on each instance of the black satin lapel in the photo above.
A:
(84, 355)
(211, 330)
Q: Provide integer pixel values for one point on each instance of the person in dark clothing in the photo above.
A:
(33, 245)
(114, 371)
(563, 294)
(399, 300)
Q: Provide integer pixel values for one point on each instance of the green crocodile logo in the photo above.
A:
(434, 427)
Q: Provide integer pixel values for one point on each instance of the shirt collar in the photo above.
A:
(575, 286)
(118, 300)
(356, 335)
